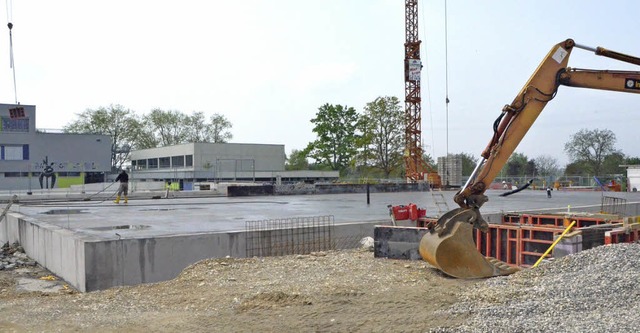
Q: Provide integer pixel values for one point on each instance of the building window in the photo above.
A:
(68, 174)
(16, 174)
(14, 125)
(152, 163)
(165, 162)
(141, 164)
(189, 160)
(15, 152)
(177, 161)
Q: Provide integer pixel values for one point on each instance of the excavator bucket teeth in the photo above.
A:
(454, 251)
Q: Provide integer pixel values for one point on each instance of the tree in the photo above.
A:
(612, 164)
(335, 127)
(297, 160)
(547, 166)
(166, 127)
(382, 128)
(519, 165)
(218, 129)
(115, 120)
(196, 128)
(428, 159)
(146, 139)
(577, 168)
(632, 161)
(468, 163)
(591, 147)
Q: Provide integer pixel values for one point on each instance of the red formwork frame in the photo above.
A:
(516, 244)
(621, 235)
(507, 234)
(556, 220)
(521, 239)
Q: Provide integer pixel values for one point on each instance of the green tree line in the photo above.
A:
(371, 143)
(367, 144)
(158, 128)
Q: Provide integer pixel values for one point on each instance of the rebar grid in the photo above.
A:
(613, 205)
(297, 235)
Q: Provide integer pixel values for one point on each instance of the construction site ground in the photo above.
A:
(335, 291)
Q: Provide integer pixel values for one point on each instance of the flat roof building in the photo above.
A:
(31, 159)
(219, 162)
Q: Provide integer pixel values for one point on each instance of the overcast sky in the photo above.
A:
(268, 65)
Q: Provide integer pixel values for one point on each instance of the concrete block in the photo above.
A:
(567, 246)
(397, 242)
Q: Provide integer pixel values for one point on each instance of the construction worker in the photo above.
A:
(123, 178)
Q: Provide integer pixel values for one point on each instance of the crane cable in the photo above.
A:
(11, 62)
(446, 76)
(426, 65)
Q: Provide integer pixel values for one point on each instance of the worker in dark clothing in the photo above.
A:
(123, 178)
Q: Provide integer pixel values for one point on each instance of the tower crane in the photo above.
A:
(415, 167)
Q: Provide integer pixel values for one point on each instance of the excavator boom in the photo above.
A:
(449, 245)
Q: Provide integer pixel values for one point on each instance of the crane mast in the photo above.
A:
(415, 167)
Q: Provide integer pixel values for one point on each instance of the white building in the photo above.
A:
(191, 163)
(633, 177)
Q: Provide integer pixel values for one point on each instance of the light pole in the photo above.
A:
(366, 152)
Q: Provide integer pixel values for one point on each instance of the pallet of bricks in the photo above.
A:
(521, 239)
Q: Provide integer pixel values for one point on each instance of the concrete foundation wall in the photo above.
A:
(135, 261)
(51, 246)
(92, 263)
(89, 263)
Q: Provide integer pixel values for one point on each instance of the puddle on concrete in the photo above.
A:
(64, 211)
(121, 227)
(167, 209)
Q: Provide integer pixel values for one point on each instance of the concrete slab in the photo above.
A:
(97, 244)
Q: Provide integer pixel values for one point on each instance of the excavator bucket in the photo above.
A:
(450, 247)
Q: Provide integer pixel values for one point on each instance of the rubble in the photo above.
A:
(13, 256)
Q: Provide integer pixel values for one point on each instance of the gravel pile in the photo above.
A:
(596, 290)
(345, 291)
(333, 291)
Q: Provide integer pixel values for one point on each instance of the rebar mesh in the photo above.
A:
(613, 205)
(298, 235)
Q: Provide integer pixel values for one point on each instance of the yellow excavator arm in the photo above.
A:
(449, 246)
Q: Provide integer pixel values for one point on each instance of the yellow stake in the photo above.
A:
(554, 243)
